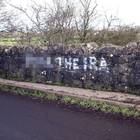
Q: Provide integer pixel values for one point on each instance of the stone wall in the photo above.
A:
(108, 67)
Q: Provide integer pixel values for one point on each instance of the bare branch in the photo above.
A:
(88, 13)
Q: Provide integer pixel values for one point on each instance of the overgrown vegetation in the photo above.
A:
(68, 100)
(120, 36)
(62, 23)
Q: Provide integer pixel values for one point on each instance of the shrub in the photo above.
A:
(75, 101)
(66, 99)
(52, 97)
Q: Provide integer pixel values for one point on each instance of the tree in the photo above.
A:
(7, 18)
(60, 20)
(88, 14)
(110, 26)
(52, 23)
(2, 14)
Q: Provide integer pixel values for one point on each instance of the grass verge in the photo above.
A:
(89, 104)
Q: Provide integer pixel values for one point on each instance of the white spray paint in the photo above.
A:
(75, 63)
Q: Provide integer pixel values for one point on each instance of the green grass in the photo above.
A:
(106, 107)
(10, 41)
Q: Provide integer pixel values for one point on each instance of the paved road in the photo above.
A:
(22, 118)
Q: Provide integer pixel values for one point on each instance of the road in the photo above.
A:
(22, 118)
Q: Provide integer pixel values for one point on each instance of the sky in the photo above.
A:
(128, 11)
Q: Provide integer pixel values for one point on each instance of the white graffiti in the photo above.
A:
(70, 63)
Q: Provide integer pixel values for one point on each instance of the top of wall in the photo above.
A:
(76, 49)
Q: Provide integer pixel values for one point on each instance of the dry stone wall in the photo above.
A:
(108, 67)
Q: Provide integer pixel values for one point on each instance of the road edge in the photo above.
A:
(125, 110)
